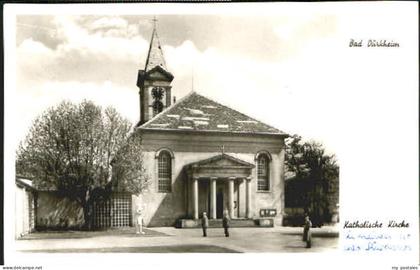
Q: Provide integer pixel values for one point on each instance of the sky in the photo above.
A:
(292, 72)
(248, 63)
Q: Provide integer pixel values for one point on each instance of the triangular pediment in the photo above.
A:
(159, 73)
(222, 161)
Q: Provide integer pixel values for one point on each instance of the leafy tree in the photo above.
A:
(310, 171)
(83, 152)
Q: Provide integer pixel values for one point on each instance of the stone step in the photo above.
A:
(234, 223)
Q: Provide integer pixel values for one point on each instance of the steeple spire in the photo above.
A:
(154, 82)
(155, 55)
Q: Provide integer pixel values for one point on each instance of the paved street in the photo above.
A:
(166, 239)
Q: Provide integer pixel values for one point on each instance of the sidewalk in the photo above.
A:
(325, 231)
(169, 239)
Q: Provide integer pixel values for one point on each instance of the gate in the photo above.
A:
(113, 212)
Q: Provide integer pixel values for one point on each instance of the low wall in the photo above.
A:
(294, 216)
(24, 211)
(56, 212)
(234, 223)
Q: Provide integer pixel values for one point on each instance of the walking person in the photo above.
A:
(226, 223)
(307, 235)
(139, 222)
(204, 224)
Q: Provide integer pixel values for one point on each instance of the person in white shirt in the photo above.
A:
(139, 222)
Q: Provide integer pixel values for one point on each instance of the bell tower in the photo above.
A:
(154, 82)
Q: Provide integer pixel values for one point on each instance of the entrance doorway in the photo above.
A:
(219, 203)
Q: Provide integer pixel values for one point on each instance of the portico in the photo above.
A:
(220, 177)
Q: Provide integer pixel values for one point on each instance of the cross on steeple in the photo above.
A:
(223, 149)
(154, 22)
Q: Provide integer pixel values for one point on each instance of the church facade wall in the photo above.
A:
(164, 209)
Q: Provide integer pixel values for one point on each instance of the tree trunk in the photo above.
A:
(87, 210)
(88, 217)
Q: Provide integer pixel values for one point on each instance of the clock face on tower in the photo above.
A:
(158, 93)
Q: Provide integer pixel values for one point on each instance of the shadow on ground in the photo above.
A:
(128, 232)
(315, 234)
(152, 249)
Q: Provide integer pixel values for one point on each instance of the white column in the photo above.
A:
(248, 198)
(230, 197)
(239, 198)
(242, 197)
(213, 197)
(195, 197)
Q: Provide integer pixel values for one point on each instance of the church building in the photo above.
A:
(202, 156)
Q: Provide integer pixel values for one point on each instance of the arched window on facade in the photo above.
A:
(263, 171)
(164, 172)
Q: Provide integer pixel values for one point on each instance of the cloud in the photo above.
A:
(114, 54)
(305, 29)
(275, 92)
(80, 41)
(33, 58)
(34, 48)
(98, 59)
(295, 33)
(109, 22)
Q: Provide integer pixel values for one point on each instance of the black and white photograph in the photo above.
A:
(148, 132)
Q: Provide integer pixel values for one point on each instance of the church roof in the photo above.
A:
(155, 55)
(195, 112)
